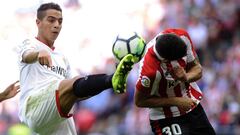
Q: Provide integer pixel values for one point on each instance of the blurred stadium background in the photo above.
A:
(89, 27)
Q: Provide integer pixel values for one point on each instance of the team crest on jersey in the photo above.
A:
(26, 42)
(145, 81)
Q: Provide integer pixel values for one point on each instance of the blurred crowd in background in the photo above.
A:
(89, 28)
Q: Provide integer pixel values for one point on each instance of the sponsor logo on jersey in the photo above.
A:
(59, 70)
(145, 81)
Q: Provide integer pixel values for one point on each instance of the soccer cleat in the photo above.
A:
(119, 79)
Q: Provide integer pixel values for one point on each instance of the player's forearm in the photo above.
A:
(155, 102)
(195, 73)
(2, 97)
(30, 56)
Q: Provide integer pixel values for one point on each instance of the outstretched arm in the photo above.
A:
(10, 91)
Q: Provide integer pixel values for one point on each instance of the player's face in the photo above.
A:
(50, 26)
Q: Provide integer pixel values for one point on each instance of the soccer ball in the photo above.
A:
(129, 43)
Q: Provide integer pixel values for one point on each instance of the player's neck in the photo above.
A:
(47, 43)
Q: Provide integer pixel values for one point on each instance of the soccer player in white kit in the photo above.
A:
(48, 92)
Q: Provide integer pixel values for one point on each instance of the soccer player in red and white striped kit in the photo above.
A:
(167, 86)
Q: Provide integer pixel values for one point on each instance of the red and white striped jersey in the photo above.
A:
(154, 78)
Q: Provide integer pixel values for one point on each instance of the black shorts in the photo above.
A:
(192, 123)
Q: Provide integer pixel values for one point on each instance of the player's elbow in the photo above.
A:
(30, 56)
(140, 99)
(200, 72)
(139, 103)
(196, 73)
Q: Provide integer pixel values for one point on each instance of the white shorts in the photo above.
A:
(43, 114)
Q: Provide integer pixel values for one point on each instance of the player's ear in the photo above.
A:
(37, 21)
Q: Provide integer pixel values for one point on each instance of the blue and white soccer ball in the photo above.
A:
(129, 43)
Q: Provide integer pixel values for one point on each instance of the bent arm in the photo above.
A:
(42, 56)
(30, 56)
(194, 71)
(144, 101)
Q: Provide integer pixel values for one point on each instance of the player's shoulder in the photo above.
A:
(150, 61)
(28, 41)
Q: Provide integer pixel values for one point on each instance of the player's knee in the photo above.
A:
(66, 86)
(80, 87)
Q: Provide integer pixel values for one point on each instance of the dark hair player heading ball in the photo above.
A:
(170, 47)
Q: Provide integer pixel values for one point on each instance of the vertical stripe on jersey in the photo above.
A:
(155, 86)
(178, 93)
(156, 128)
(182, 62)
(187, 89)
(195, 92)
(163, 93)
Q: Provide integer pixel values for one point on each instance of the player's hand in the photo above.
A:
(179, 74)
(186, 103)
(11, 90)
(44, 58)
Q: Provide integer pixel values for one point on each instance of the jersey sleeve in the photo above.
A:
(147, 72)
(27, 44)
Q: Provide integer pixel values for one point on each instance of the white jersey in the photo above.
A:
(35, 78)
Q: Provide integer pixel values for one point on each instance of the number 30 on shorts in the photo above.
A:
(174, 129)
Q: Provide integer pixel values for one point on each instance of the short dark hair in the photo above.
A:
(170, 46)
(41, 10)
